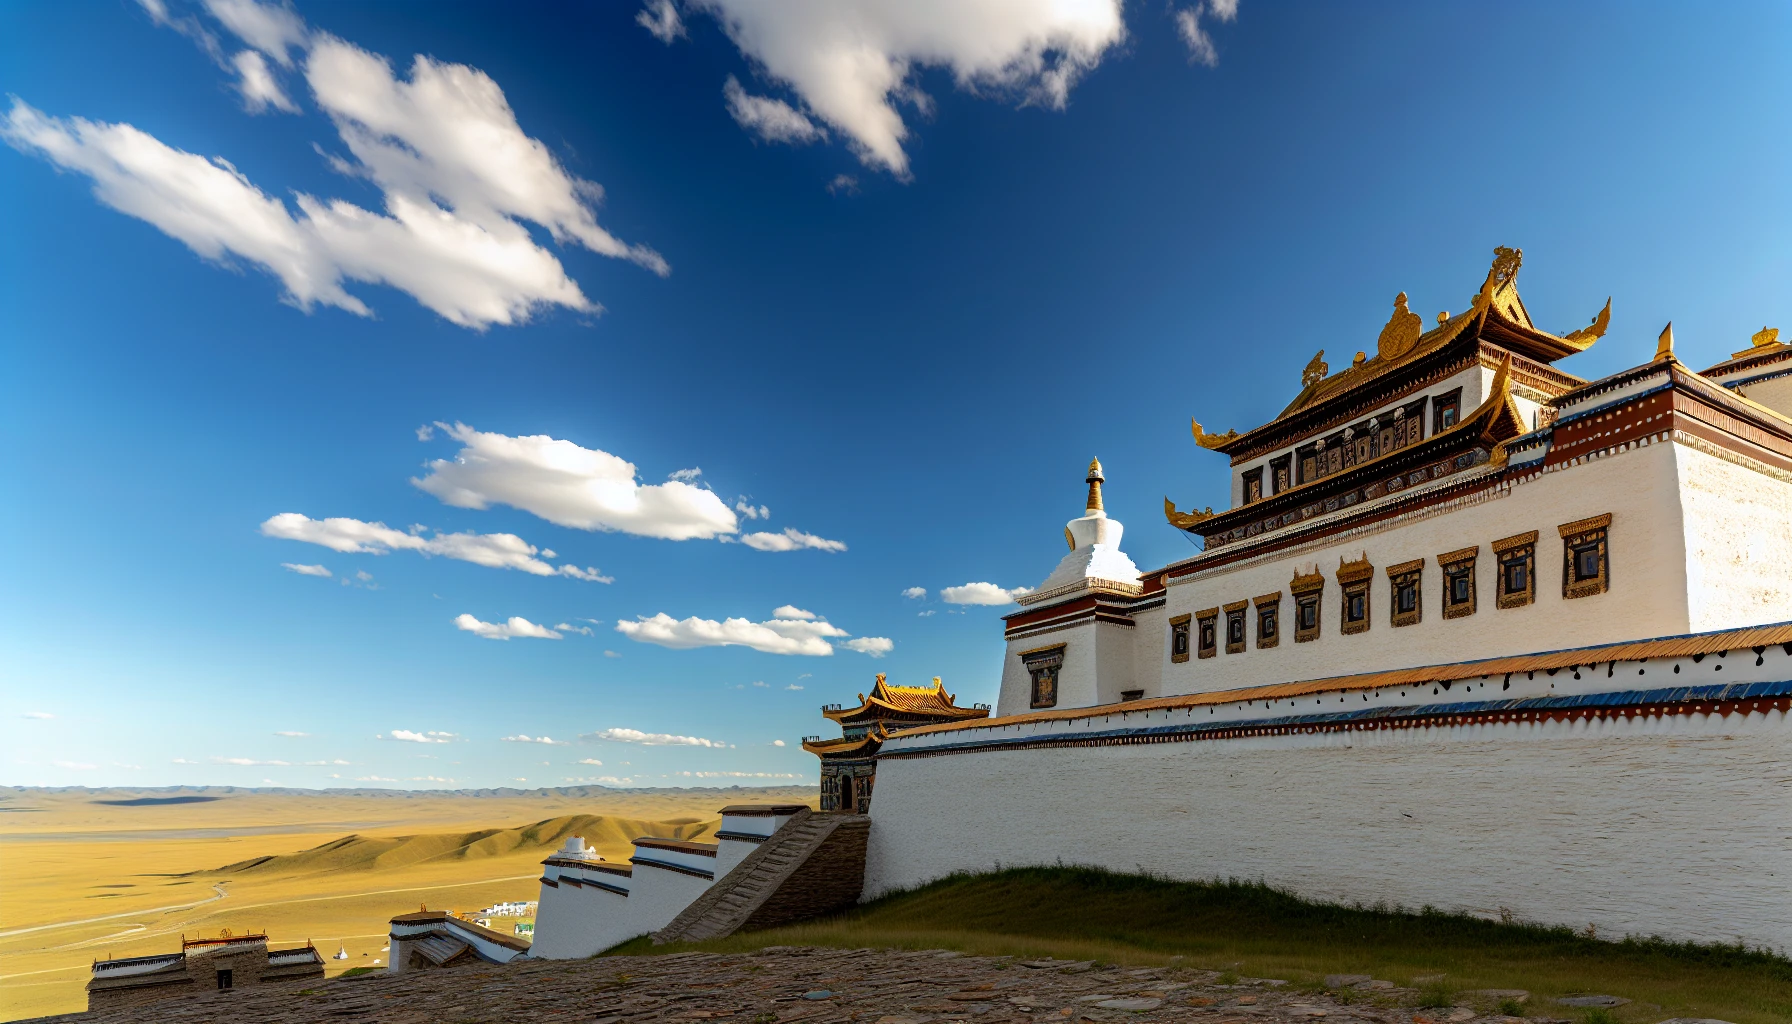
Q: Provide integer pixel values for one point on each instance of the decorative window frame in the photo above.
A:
(1245, 480)
(1453, 564)
(1281, 474)
(1447, 400)
(1403, 575)
(1307, 590)
(1179, 626)
(1581, 533)
(1038, 662)
(1235, 613)
(1207, 633)
(1507, 550)
(1272, 605)
(1355, 578)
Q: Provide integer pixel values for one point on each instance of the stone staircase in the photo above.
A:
(815, 864)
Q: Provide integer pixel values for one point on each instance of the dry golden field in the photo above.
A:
(96, 874)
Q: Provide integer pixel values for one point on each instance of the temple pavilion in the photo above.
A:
(849, 764)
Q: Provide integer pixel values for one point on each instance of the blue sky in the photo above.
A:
(898, 308)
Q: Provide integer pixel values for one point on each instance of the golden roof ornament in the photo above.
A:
(1315, 371)
(1401, 333)
(1206, 440)
(1595, 330)
(1094, 480)
(1185, 520)
(1503, 273)
(1664, 345)
(1766, 337)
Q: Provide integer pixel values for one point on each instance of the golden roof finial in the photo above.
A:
(1185, 520)
(1315, 371)
(1766, 337)
(1664, 346)
(1401, 333)
(1094, 480)
(1206, 440)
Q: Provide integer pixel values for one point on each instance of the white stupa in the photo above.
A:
(1094, 541)
(341, 953)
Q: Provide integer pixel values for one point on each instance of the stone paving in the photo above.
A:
(816, 986)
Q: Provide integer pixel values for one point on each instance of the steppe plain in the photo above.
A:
(100, 873)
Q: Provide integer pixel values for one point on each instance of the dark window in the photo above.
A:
(1406, 597)
(1253, 485)
(1208, 637)
(1235, 628)
(1460, 586)
(1132, 694)
(1279, 476)
(1518, 572)
(1515, 576)
(1445, 410)
(1586, 566)
(1042, 668)
(224, 979)
(1586, 562)
(1266, 623)
(1269, 620)
(1179, 639)
(1356, 606)
(1309, 613)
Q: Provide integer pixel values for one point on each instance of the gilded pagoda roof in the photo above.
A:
(906, 701)
(1496, 314)
(863, 746)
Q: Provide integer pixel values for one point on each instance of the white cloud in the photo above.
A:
(611, 654)
(785, 611)
(517, 626)
(589, 760)
(1188, 24)
(924, 614)
(777, 743)
(660, 17)
(292, 733)
(354, 536)
(843, 185)
(571, 486)
(915, 592)
(40, 715)
(457, 174)
(793, 686)
(876, 646)
(791, 539)
(79, 766)
(748, 509)
(686, 475)
(771, 119)
(429, 778)
(981, 593)
(426, 432)
(374, 778)
(547, 740)
(182, 760)
(738, 775)
(256, 82)
(250, 762)
(411, 736)
(307, 570)
(851, 61)
(570, 628)
(778, 635)
(651, 739)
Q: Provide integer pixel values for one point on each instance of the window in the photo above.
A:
(1404, 580)
(1354, 580)
(1132, 694)
(1445, 411)
(1253, 486)
(1235, 627)
(1042, 665)
(1279, 475)
(1586, 568)
(1306, 588)
(1269, 619)
(1517, 584)
(1207, 633)
(1179, 639)
(1459, 581)
(224, 979)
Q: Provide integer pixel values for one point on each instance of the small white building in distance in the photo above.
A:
(1469, 631)
(589, 904)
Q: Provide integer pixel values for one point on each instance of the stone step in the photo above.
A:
(814, 865)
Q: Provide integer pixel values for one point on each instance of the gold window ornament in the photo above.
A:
(1306, 590)
(1586, 564)
(1180, 641)
(1516, 583)
(1269, 619)
(1042, 666)
(1406, 601)
(1207, 633)
(1354, 582)
(1235, 631)
(1459, 581)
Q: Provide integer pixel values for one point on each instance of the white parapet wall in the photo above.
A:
(1638, 797)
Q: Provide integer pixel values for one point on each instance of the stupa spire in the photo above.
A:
(1094, 479)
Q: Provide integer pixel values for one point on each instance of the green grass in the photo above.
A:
(1255, 930)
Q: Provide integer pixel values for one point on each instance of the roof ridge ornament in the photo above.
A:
(1401, 333)
(1664, 345)
(1315, 371)
(1595, 330)
(1766, 337)
(1186, 520)
(1211, 441)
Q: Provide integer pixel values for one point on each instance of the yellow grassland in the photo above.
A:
(81, 880)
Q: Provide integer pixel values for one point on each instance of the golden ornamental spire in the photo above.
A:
(1094, 480)
(1664, 346)
(1766, 339)
(1401, 333)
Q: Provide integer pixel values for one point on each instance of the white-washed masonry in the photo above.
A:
(589, 904)
(1647, 797)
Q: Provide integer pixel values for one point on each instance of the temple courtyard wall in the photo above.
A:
(1679, 826)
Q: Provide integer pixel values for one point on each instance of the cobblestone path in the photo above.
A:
(783, 984)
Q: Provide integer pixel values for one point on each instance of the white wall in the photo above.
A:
(1673, 826)
(659, 895)
(579, 921)
(1775, 394)
(1738, 542)
(1648, 597)
(1098, 665)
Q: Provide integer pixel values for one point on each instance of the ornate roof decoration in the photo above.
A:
(1185, 520)
(1664, 345)
(931, 701)
(1496, 314)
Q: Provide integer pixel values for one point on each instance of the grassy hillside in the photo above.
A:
(1256, 930)
(370, 853)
